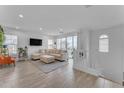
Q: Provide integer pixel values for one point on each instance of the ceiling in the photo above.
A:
(54, 19)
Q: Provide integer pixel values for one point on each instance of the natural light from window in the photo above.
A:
(11, 43)
(50, 44)
(103, 43)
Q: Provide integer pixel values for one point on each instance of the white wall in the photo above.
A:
(110, 64)
(94, 42)
(88, 42)
(23, 39)
(83, 44)
(82, 62)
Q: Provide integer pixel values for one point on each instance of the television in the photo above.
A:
(35, 42)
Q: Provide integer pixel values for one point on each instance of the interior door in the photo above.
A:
(111, 60)
(108, 63)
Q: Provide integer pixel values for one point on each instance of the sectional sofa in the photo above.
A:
(56, 53)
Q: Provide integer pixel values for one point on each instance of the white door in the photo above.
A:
(109, 60)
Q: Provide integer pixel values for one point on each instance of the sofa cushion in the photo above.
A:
(35, 56)
(46, 51)
(58, 51)
(42, 51)
(57, 55)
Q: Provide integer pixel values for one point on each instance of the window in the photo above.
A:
(67, 43)
(70, 42)
(75, 42)
(58, 43)
(103, 43)
(63, 44)
(11, 43)
(50, 44)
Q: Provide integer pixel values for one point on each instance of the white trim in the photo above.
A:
(88, 70)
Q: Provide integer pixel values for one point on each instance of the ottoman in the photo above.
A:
(47, 58)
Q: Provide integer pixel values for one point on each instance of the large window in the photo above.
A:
(75, 42)
(50, 44)
(103, 43)
(11, 44)
(58, 43)
(63, 44)
(67, 43)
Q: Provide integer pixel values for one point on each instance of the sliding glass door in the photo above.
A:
(63, 43)
(75, 42)
(70, 46)
(67, 43)
(58, 43)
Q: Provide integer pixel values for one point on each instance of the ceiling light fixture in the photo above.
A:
(41, 28)
(60, 29)
(21, 16)
(17, 27)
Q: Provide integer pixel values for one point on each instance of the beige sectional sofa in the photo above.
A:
(57, 54)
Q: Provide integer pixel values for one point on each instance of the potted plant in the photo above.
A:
(1, 38)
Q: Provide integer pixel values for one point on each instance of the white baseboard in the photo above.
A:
(88, 70)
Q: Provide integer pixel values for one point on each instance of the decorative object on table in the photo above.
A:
(22, 54)
(5, 50)
(26, 52)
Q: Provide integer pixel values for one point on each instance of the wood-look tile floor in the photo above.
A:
(26, 75)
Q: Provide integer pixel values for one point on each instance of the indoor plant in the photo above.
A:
(1, 38)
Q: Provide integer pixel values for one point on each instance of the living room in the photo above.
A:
(61, 46)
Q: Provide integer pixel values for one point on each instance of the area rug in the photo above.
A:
(46, 68)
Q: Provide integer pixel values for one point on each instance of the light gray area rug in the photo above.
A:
(46, 68)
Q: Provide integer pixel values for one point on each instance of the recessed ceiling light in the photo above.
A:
(41, 28)
(17, 27)
(21, 16)
(60, 29)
